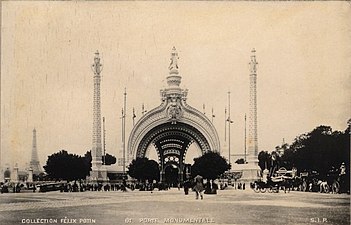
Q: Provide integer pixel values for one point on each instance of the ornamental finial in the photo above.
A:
(173, 66)
(253, 63)
(97, 66)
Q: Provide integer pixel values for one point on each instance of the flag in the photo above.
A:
(134, 113)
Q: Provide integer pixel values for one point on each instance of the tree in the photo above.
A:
(65, 166)
(110, 159)
(264, 160)
(319, 150)
(210, 165)
(144, 169)
(240, 161)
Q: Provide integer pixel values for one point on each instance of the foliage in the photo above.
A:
(110, 159)
(210, 165)
(318, 150)
(144, 169)
(65, 166)
(264, 160)
(240, 161)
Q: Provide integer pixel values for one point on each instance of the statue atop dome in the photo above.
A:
(173, 66)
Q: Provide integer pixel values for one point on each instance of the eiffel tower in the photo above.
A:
(34, 162)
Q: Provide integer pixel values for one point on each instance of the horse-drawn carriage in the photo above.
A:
(281, 180)
(333, 181)
(314, 182)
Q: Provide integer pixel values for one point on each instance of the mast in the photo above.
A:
(225, 124)
(245, 141)
(125, 154)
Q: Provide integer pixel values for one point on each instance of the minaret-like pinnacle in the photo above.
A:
(97, 66)
(253, 63)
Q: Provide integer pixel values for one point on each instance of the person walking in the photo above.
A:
(199, 186)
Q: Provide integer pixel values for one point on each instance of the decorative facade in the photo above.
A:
(173, 126)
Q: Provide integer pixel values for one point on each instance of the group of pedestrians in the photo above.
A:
(6, 187)
(81, 187)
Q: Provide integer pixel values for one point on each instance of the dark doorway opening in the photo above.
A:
(171, 175)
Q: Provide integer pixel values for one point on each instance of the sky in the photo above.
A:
(47, 48)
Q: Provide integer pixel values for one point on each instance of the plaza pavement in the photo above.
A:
(173, 207)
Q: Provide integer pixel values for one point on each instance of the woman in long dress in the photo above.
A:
(199, 186)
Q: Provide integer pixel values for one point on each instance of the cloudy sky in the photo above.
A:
(47, 48)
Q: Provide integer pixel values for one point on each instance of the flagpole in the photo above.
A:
(124, 154)
(124, 130)
(225, 124)
(143, 109)
(133, 116)
(229, 121)
(212, 115)
(245, 138)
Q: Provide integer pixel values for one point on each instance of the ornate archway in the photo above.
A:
(173, 126)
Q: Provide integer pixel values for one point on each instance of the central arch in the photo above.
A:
(171, 142)
(172, 127)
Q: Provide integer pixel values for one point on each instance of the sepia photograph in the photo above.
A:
(175, 112)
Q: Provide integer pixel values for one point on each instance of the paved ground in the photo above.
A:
(173, 207)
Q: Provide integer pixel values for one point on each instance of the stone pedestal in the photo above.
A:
(98, 173)
(14, 177)
(250, 173)
(30, 175)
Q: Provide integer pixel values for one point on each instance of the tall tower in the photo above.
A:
(251, 170)
(34, 162)
(252, 139)
(98, 172)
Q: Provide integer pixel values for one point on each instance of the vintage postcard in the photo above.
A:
(175, 112)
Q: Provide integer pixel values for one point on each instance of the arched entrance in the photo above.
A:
(172, 127)
(171, 142)
(172, 178)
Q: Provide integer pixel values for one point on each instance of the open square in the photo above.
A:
(173, 207)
